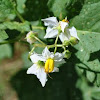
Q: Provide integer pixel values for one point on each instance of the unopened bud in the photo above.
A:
(30, 37)
(73, 40)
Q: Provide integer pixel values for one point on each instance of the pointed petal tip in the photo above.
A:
(43, 85)
(55, 69)
(28, 72)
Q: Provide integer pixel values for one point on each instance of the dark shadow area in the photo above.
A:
(61, 87)
(12, 33)
(36, 9)
(74, 8)
(95, 55)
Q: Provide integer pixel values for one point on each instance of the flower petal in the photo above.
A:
(36, 57)
(51, 21)
(39, 72)
(59, 59)
(32, 69)
(51, 33)
(58, 56)
(42, 76)
(73, 32)
(55, 69)
(58, 63)
(63, 37)
(63, 25)
(46, 53)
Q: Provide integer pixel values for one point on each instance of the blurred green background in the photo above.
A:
(79, 77)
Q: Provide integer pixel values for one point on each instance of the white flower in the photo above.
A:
(37, 69)
(45, 63)
(52, 60)
(52, 29)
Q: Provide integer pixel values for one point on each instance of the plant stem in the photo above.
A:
(39, 40)
(64, 48)
(56, 43)
(19, 16)
(31, 52)
(38, 27)
(16, 11)
(52, 46)
(49, 46)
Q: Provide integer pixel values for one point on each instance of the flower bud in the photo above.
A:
(66, 43)
(67, 54)
(30, 37)
(73, 40)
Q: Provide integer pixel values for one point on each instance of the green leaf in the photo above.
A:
(97, 82)
(3, 35)
(88, 43)
(89, 17)
(15, 25)
(89, 21)
(88, 92)
(58, 7)
(90, 76)
(6, 10)
(96, 93)
(5, 51)
(21, 5)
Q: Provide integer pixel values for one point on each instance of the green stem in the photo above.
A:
(39, 40)
(52, 46)
(56, 43)
(31, 52)
(64, 48)
(38, 27)
(19, 16)
(16, 11)
(49, 46)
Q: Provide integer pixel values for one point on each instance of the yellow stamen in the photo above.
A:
(49, 65)
(64, 20)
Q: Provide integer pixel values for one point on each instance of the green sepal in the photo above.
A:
(67, 54)
(73, 40)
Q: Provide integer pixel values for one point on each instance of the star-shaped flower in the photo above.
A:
(53, 27)
(45, 63)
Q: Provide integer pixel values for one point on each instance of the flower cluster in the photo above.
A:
(47, 62)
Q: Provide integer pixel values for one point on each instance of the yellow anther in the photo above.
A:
(64, 20)
(49, 65)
